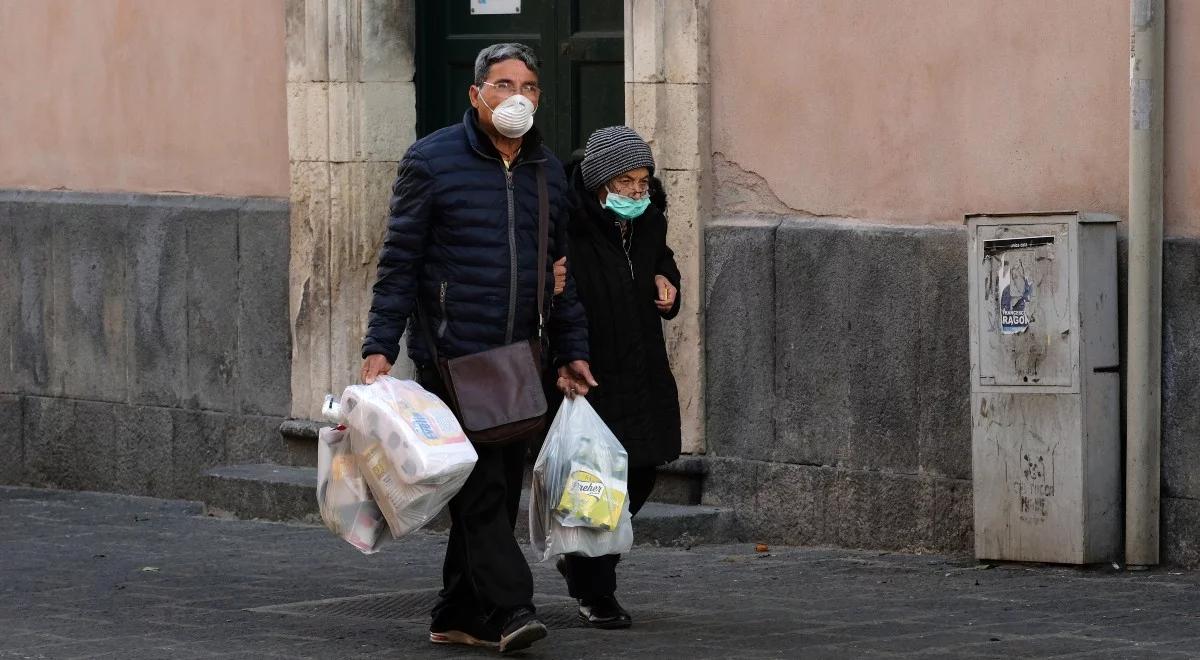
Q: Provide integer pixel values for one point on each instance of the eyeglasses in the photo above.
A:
(507, 89)
(629, 184)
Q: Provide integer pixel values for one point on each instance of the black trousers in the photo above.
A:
(596, 577)
(485, 574)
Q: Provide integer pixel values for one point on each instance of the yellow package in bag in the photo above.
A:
(588, 501)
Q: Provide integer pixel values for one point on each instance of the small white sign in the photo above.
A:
(495, 7)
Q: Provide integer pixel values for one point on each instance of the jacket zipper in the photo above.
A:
(512, 257)
(441, 331)
(512, 239)
(626, 243)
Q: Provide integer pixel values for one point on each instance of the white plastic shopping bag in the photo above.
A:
(411, 449)
(345, 502)
(579, 502)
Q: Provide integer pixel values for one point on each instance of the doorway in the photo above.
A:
(582, 51)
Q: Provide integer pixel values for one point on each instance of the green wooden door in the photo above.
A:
(580, 43)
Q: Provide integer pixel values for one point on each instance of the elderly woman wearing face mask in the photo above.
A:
(626, 278)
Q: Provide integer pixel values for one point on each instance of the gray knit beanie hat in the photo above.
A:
(612, 151)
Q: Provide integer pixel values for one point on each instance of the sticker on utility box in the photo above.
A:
(1013, 282)
(479, 7)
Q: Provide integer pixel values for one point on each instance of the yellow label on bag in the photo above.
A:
(586, 497)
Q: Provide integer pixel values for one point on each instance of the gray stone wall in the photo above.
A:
(839, 384)
(143, 338)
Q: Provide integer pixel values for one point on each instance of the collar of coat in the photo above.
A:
(531, 143)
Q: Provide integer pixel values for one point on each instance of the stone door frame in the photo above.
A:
(351, 105)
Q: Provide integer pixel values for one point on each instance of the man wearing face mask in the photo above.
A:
(461, 251)
(628, 282)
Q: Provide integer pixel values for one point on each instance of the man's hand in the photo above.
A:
(575, 379)
(373, 367)
(560, 275)
(666, 294)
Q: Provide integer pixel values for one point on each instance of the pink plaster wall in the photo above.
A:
(923, 110)
(144, 96)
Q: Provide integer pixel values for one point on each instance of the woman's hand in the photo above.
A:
(560, 275)
(665, 301)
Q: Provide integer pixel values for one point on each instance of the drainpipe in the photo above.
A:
(1144, 295)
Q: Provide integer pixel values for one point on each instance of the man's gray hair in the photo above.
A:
(500, 52)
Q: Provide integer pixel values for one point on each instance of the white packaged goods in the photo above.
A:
(410, 448)
(578, 503)
(345, 502)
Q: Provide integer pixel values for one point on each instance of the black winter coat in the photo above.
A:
(637, 397)
(462, 236)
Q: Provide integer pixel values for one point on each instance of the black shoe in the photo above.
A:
(604, 612)
(521, 629)
(473, 632)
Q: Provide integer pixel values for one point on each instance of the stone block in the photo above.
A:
(158, 293)
(645, 108)
(644, 35)
(810, 505)
(197, 444)
(847, 353)
(69, 444)
(344, 25)
(877, 510)
(212, 308)
(256, 439)
(388, 40)
(943, 344)
(49, 457)
(1181, 369)
(359, 198)
(10, 294)
(307, 39)
(685, 42)
(142, 438)
(12, 467)
(308, 121)
(371, 121)
(34, 362)
(264, 342)
(1181, 531)
(739, 303)
(308, 287)
(90, 301)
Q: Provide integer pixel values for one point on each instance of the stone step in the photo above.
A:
(679, 482)
(288, 493)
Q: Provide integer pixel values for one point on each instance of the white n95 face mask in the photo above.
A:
(514, 116)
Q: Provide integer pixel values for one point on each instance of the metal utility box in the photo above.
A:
(1045, 387)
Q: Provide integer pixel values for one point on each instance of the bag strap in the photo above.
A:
(543, 240)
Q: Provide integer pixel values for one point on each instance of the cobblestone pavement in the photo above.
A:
(88, 575)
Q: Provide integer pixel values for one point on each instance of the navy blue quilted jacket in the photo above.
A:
(462, 236)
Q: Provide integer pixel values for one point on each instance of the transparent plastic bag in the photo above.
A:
(342, 495)
(410, 448)
(578, 502)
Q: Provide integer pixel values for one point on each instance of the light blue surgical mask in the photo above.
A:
(626, 207)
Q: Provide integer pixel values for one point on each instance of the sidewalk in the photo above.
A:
(88, 575)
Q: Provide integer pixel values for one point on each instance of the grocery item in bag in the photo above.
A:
(410, 447)
(578, 503)
(343, 498)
